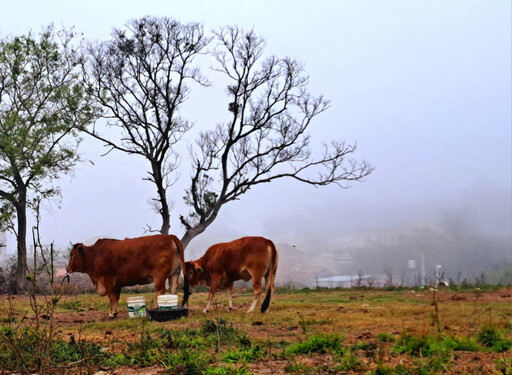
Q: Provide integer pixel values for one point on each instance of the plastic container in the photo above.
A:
(136, 306)
(167, 301)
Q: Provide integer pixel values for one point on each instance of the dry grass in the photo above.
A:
(358, 315)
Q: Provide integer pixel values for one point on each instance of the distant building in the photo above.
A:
(336, 282)
(290, 269)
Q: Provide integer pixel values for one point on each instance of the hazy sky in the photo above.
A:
(424, 87)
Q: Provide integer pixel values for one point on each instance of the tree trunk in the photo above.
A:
(195, 231)
(162, 198)
(21, 269)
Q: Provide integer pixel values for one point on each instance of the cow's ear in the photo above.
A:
(80, 249)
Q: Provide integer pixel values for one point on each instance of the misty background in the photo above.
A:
(424, 88)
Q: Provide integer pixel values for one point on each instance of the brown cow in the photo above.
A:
(113, 264)
(224, 263)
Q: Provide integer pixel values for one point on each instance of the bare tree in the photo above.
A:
(140, 77)
(266, 137)
(389, 276)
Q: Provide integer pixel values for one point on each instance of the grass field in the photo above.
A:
(306, 331)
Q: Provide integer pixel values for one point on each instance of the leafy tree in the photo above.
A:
(43, 106)
(266, 138)
(140, 77)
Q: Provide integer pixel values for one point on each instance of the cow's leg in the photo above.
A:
(256, 285)
(174, 283)
(113, 296)
(159, 283)
(230, 294)
(214, 282)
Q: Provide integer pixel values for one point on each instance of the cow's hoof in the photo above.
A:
(205, 311)
(112, 316)
(230, 309)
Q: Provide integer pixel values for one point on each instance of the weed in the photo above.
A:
(317, 344)
(227, 370)
(220, 328)
(418, 346)
(348, 363)
(386, 337)
(461, 343)
(280, 344)
(297, 368)
(383, 370)
(71, 305)
(504, 365)
(490, 337)
(188, 361)
(244, 355)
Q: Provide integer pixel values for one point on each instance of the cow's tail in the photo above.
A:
(274, 258)
(186, 287)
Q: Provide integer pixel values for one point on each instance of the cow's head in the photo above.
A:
(195, 274)
(77, 258)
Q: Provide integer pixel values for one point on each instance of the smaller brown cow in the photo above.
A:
(113, 264)
(243, 259)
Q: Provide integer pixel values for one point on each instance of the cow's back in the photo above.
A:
(231, 258)
(134, 260)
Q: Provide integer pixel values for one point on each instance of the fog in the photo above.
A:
(424, 88)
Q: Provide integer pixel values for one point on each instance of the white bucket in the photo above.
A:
(136, 306)
(167, 301)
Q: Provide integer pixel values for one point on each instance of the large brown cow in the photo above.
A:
(113, 264)
(243, 259)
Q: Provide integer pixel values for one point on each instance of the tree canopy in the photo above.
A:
(43, 106)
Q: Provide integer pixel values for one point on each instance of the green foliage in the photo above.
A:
(44, 104)
(297, 368)
(466, 344)
(63, 352)
(386, 337)
(17, 350)
(419, 346)
(244, 355)
(490, 337)
(317, 344)
(221, 330)
(74, 305)
(227, 370)
(348, 362)
(188, 361)
(504, 365)
(305, 323)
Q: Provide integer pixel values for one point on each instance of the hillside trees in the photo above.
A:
(43, 106)
(140, 76)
